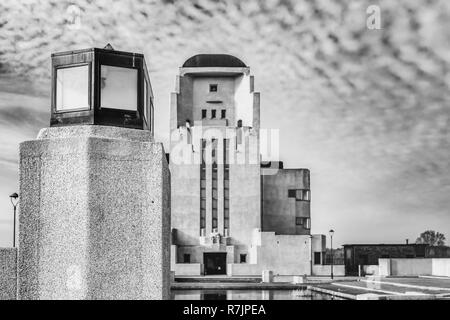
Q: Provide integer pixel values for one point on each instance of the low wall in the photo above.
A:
(411, 267)
(8, 273)
(414, 267)
(441, 267)
(188, 269)
(243, 269)
(325, 270)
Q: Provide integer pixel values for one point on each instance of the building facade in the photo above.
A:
(231, 214)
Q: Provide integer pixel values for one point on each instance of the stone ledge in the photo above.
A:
(95, 131)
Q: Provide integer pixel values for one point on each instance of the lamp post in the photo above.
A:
(14, 201)
(332, 258)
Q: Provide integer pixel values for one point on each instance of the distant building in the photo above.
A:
(232, 214)
(356, 255)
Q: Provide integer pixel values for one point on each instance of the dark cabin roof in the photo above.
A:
(214, 60)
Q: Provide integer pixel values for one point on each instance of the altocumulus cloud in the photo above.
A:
(366, 110)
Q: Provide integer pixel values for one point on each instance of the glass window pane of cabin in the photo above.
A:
(118, 88)
(72, 88)
(146, 105)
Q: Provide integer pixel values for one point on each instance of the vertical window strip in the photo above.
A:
(226, 181)
(214, 184)
(203, 187)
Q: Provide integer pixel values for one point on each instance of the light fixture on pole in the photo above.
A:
(14, 201)
(332, 258)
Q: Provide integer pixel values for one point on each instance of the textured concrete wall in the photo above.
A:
(95, 215)
(244, 269)
(285, 254)
(411, 267)
(325, 270)
(8, 273)
(188, 269)
(245, 191)
(280, 211)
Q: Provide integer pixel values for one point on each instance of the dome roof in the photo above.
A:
(213, 60)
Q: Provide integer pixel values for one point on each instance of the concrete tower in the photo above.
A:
(215, 162)
(219, 187)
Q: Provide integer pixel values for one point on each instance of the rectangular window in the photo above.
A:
(187, 258)
(305, 222)
(223, 114)
(306, 196)
(300, 194)
(72, 88)
(213, 88)
(118, 88)
(203, 173)
(203, 221)
(292, 193)
(214, 222)
(243, 258)
(203, 113)
(226, 221)
(213, 114)
(226, 153)
(317, 258)
(146, 104)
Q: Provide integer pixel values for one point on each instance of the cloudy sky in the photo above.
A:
(368, 111)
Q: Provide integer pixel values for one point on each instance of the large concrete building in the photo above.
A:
(232, 214)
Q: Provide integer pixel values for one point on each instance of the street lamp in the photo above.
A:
(332, 258)
(14, 201)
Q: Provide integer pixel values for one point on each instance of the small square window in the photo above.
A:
(213, 88)
(203, 113)
(213, 114)
(243, 258)
(292, 193)
(223, 114)
(187, 258)
(298, 221)
(72, 88)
